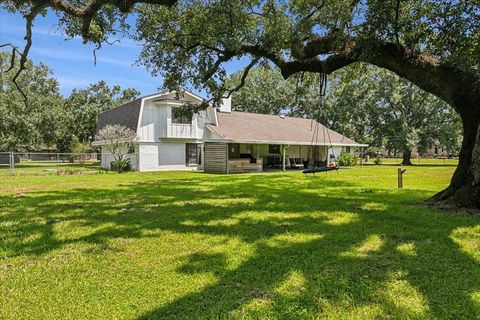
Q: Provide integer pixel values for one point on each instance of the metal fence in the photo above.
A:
(19, 163)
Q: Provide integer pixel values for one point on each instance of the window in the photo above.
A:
(274, 148)
(180, 116)
(192, 154)
(347, 149)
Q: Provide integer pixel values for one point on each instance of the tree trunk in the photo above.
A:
(406, 158)
(464, 188)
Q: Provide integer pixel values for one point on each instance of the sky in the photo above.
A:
(72, 61)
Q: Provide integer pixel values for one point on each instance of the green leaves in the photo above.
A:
(34, 127)
(51, 121)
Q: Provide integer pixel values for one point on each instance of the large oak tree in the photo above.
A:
(432, 43)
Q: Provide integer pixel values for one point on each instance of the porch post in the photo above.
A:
(283, 157)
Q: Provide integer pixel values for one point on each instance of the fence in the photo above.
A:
(14, 163)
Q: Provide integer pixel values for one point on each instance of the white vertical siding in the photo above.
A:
(153, 123)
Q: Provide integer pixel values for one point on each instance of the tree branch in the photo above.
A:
(244, 76)
(24, 54)
(86, 13)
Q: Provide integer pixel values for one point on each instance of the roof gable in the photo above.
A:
(126, 115)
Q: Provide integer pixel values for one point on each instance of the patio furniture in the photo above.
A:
(273, 161)
(295, 163)
(320, 163)
(305, 163)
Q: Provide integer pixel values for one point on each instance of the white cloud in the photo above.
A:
(67, 55)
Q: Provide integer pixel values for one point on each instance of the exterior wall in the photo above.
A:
(162, 144)
(107, 158)
(148, 156)
(171, 153)
(163, 155)
(153, 121)
(337, 150)
(156, 122)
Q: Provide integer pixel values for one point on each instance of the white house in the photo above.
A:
(220, 140)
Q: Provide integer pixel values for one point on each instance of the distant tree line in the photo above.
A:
(369, 104)
(52, 121)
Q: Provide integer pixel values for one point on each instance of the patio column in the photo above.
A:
(283, 157)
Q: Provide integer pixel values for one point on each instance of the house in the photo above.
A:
(218, 141)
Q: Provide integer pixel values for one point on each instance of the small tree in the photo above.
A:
(117, 140)
(80, 149)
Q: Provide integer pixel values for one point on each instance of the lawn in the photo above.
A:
(26, 167)
(274, 245)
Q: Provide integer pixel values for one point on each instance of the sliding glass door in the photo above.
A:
(193, 154)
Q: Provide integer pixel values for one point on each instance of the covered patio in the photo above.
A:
(276, 156)
(232, 157)
(248, 142)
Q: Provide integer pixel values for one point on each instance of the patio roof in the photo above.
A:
(255, 128)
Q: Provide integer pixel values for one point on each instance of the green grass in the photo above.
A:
(419, 161)
(274, 245)
(26, 167)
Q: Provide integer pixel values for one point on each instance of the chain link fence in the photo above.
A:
(35, 163)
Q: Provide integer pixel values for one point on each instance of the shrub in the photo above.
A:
(120, 165)
(347, 159)
(378, 160)
(80, 149)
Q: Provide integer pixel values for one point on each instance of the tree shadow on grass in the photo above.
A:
(414, 164)
(320, 246)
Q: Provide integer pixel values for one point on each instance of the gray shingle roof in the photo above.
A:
(254, 127)
(126, 115)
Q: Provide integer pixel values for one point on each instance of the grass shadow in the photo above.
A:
(319, 246)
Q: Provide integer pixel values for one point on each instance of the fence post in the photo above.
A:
(58, 165)
(361, 156)
(400, 177)
(11, 162)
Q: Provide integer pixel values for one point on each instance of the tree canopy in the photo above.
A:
(23, 128)
(51, 120)
(363, 102)
(84, 105)
(190, 42)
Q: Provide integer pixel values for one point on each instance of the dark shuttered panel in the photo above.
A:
(215, 157)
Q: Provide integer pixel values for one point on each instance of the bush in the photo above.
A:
(80, 149)
(347, 159)
(121, 165)
(72, 171)
(378, 160)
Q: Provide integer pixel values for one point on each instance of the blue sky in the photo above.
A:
(72, 62)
